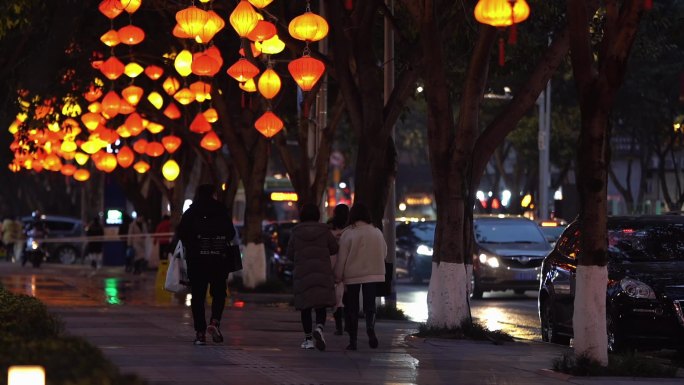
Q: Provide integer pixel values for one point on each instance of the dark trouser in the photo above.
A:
(306, 319)
(203, 275)
(351, 304)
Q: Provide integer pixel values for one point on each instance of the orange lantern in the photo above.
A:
(260, 3)
(243, 18)
(108, 162)
(269, 84)
(154, 149)
(109, 136)
(264, 30)
(308, 27)
(214, 24)
(306, 71)
(81, 175)
(171, 143)
(248, 86)
(110, 104)
(154, 72)
(134, 124)
(200, 124)
(132, 94)
(91, 120)
(185, 96)
(111, 8)
(243, 70)
(216, 54)
(68, 169)
(271, 46)
(141, 167)
(210, 141)
(179, 33)
(125, 157)
(131, 35)
(126, 108)
(93, 93)
(140, 146)
(268, 124)
(172, 112)
(204, 64)
(131, 6)
(192, 20)
(155, 128)
(110, 38)
(123, 131)
(501, 13)
(81, 158)
(211, 115)
(112, 68)
(171, 85)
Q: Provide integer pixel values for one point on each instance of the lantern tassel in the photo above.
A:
(648, 5)
(513, 35)
(502, 53)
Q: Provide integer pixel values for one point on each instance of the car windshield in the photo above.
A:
(417, 232)
(507, 231)
(654, 242)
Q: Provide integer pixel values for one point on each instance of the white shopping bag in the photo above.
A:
(177, 275)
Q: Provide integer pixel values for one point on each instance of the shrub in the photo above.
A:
(467, 331)
(624, 364)
(26, 317)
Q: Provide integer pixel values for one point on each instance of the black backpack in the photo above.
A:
(212, 234)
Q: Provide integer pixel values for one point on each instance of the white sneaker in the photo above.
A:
(318, 336)
(307, 344)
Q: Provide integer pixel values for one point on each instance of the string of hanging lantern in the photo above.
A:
(502, 14)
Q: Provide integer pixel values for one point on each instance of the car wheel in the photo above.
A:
(549, 329)
(476, 291)
(67, 255)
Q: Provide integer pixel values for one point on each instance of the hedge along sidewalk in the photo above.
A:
(30, 335)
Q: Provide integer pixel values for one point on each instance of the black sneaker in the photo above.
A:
(213, 330)
(200, 338)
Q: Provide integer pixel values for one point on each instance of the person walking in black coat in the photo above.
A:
(93, 249)
(205, 230)
(310, 247)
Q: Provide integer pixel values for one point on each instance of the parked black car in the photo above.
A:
(61, 227)
(645, 293)
(414, 242)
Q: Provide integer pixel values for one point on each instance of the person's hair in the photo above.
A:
(205, 192)
(359, 212)
(309, 213)
(340, 216)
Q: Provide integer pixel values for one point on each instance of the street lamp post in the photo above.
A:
(544, 103)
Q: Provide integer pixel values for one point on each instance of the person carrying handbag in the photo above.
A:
(205, 230)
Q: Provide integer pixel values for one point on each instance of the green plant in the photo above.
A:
(26, 317)
(623, 364)
(390, 312)
(467, 331)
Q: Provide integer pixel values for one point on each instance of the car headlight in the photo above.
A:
(636, 289)
(34, 245)
(489, 260)
(424, 250)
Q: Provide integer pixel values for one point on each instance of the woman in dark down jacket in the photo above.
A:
(310, 247)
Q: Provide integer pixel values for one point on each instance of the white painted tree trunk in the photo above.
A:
(447, 295)
(253, 265)
(589, 318)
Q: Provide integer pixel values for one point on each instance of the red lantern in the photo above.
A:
(268, 124)
(132, 94)
(171, 143)
(112, 68)
(200, 124)
(81, 175)
(154, 149)
(306, 71)
(264, 30)
(140, 146)
(210, 141)
(141, 166)
(134, 124)
(125, 157)
(153, 72)
(110, 104)
(93, 93)
(214, 24)
(171, 111)
(108, 162)
(204, 64)
(110, 38)
(269, 84)
(216, 54)
(111, 8)
(243, 18)
(192, 20)
(243, 70)
(131, 35)
(68, 169)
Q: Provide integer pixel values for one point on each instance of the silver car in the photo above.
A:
(508, 254)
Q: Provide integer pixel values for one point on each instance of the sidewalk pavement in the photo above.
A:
(149, 333)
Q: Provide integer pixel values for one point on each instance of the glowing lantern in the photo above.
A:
(141, 167)
(171, 143)
(497, 13)
(134, 123)
(306, 71)
(185, 96)
(126, 108)
(131, 6)
(90, 147)
(170, 170)
(52, 162)
(269, 84)
(248, 86)
(108, 162)
(140, 146)
(155, 128)
(110, 38)
(131, 35)
(171, 85)
(81, 158)
(191, 20)
(155, 99)
(260, 3)
(210, 141)
(172, 112)
(268, 124)
(132, 94)
(81, 175)
(154, 72)
(110, 104)
(95, 107)
(308, 27)
(214, 24)
(109, 136)
(123, 131)
(93, 93)
(110, 8)
(125, 157)
(68, 146)
(154, 149)
(271, 46)
(183, 63)
(200, 124)
(91, 120)
(211, 115)
(112, 68)
(204, 64)
(243, 18)
(68, 169)
(264, 30)
(133, 69)
(179, 33)
(243, 70)
(201, 90)
(216, 54)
